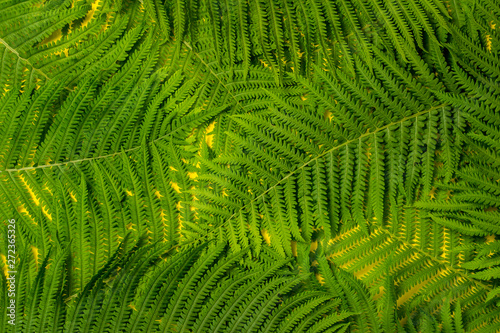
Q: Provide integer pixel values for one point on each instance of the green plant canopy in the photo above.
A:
(249, 166)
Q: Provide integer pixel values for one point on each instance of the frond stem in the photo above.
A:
(214, 74)
(325, 153)
(91, 158)
(11, 49)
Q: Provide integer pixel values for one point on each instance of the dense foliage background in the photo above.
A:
(251, 165)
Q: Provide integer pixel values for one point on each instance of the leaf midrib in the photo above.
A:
(123, 151)
(368, 133)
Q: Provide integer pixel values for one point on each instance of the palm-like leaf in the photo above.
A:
(280, 166)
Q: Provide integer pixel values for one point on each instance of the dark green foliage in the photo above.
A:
(251, 165)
